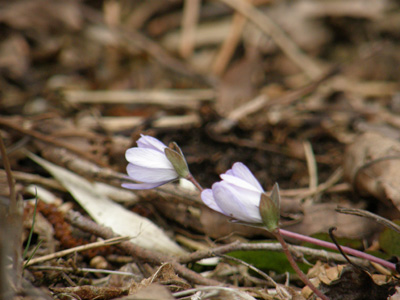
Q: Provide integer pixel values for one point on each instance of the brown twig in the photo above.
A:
(229, 45)
(138, 253)
(311, 165)
(191, 9)
(51, 141)
(315, 254)
(10, 179)
(11, 226)
(262, 103)
(62, 253)
(29, 178)
(269, 27)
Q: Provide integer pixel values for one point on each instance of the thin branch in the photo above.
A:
(62, 253)
(88, 270)
(315, 254)
(11, 185)
(369, 215)
(191, 10)
(229, 45)
(269, 27)
(51, 140)
(311, 165)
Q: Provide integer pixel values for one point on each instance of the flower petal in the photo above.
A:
(236, 181)
(143, 186)
(240, 170)
(208, 199)
(150, 175)
(150, 142)
(149, 158)
(237, 203)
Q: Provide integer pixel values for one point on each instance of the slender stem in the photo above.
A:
(11, 185)
(194, 181)
(296, 268)
(345, 249)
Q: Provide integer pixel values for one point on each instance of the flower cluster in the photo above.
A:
(239, 195)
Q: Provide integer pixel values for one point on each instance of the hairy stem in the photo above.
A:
(347, 250)
(195, 182)
(295, 267)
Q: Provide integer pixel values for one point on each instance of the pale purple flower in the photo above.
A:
(237, 195)
(148, 164)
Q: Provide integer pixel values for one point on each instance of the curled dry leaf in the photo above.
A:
(372, 166)
(336, 281)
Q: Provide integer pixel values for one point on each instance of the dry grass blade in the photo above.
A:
(109, 242)
(167, 98)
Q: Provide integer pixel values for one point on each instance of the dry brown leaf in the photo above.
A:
(14, 56)
(347, 282)
(319, 217)
(42, 228)
(239, 84)
(372, 166)
(154, 291)
(165, 274)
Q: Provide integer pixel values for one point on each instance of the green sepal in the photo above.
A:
(276, 196)
(269, 209)
(178, 162)
(174, 146)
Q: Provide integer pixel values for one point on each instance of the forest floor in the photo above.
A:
(304, 93)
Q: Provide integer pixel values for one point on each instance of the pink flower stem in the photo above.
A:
(303, 277)
(332, 246)
(195, 182)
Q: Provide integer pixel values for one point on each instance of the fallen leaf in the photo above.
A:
(319, 217)
(372, 166)
(108, 213)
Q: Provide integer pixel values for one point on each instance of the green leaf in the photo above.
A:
(267, 261)
(389, 241)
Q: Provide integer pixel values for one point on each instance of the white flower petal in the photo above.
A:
(143, 186)
(239, 182)
(235, 203)
(149, 158)
(241, 171)
(208, 199)
(150, 175)
(150, 142)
